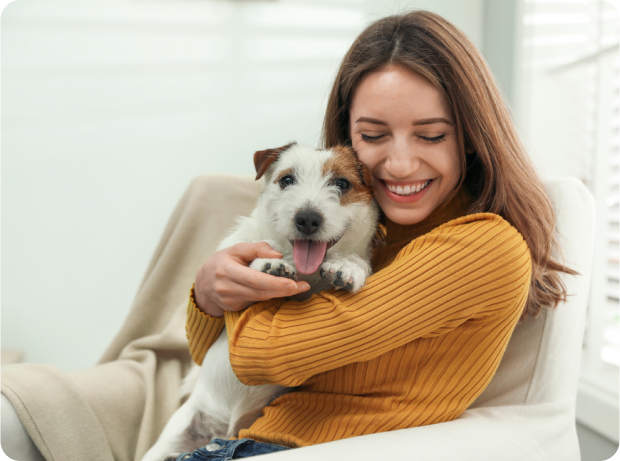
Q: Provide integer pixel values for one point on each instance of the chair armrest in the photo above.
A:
(533, 433)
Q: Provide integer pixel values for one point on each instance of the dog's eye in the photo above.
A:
(342, 184)
(286, 181)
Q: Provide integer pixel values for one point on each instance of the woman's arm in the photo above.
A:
(469, 268)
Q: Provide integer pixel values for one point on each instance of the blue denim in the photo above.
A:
(224, 450)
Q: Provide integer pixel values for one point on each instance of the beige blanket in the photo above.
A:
(116, 410)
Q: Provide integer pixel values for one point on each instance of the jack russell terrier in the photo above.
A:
(317, 209)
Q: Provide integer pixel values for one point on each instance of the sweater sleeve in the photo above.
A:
(202, 330)
(467, 269)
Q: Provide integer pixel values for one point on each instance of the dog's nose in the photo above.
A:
(308, 222)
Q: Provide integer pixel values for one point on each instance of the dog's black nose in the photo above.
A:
(308, 222)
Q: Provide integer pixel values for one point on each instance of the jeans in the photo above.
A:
(224, 450)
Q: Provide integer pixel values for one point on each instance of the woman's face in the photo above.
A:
(402, 128)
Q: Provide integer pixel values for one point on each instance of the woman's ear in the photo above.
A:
(264, 158)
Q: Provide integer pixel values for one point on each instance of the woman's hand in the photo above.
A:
(225, 282)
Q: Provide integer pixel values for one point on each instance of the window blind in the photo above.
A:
(571, 56)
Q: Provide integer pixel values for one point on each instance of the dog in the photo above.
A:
(317, 209)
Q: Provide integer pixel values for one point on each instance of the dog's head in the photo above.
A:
(316, 199)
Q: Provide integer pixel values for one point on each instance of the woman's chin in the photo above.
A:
(407, 217)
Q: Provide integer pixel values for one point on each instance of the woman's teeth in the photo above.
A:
(407, 190)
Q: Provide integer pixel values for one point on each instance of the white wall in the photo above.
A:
(109, 108)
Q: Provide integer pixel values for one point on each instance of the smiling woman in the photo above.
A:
(467, 253)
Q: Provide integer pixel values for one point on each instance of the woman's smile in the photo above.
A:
(404, 191)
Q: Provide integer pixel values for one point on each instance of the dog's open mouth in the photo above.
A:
(308, 254)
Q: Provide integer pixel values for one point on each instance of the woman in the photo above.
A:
(468, 252)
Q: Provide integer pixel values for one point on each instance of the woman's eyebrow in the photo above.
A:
(426, 121)
(370, 120)
(430, 121)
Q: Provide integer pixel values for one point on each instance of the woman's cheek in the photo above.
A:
(368, 154)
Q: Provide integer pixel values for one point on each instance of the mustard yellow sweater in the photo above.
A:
(415, 346)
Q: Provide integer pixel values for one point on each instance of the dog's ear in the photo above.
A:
(364, 171)
(366, 176)
(264, 158)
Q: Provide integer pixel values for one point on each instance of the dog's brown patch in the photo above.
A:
(288, 171)
(345, 164)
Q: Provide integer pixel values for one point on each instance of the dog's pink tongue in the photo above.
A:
(308, 255)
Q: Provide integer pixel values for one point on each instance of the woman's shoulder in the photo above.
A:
(485, 236)
(479, 225)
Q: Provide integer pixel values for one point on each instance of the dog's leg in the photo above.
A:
(346, 272)
(204, 415)
(180, 434)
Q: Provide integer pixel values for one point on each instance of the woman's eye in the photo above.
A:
(286, 181)
(433, 139)
(343, 184)
(367, 138)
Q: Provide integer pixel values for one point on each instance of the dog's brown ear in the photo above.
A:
(264, 158)
(364, 172)
(367, 176)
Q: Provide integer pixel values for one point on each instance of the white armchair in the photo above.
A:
(115, 410)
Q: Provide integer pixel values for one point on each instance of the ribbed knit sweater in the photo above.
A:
(415, 346)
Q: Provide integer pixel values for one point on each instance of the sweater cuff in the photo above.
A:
(202, 330)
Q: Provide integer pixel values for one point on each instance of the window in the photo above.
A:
(570, 65)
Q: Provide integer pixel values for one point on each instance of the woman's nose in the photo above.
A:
(402, 160)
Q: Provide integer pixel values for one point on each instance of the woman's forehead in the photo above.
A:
(397, 91)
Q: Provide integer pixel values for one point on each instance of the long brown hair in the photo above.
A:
(498, 171)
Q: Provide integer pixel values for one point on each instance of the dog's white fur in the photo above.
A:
(219, 404)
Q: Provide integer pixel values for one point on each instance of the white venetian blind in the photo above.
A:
(611, 337)
(571, 58)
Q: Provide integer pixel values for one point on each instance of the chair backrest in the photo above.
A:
(541, 363)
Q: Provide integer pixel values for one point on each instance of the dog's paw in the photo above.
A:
(344, 275)
(275, 267)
